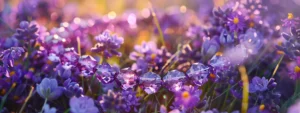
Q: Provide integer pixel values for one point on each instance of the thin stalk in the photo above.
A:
(5, 96)
(44, 105)
(26, 100)
(245, 80)
(156, 22)
(277, 66)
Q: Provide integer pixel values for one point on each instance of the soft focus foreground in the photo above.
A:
(161, 56)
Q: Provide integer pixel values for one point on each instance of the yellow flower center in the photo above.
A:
(16, 97)
(236, 20)
(12, 73)
(261, 107)
(31, 69)
(251, 24)
(153, 56)
(185, 94)
(297, 69)
(3, 91)
(290, 16)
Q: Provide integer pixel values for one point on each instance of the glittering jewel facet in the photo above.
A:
(127, 78)
(106, 73)
(198, 73)
(174, 80)
(150, 82)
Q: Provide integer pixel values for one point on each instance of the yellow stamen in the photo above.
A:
(12, 73)
(212, 75)
(236, 20)
(261, 107)
(185, 94)
(251, 24)
(3, 91)
(153, 56)
(31, 69)
(16, 97)
(297, 69)
(290, 16)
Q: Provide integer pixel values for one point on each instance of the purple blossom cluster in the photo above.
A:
(237, 58)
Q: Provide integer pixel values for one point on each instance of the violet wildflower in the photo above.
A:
(258, 84)
(295, 74)
(49, 89)
(47, 109)
(72, 88)
(108, 44)
(26, 32)
(9, 55)
(209, 49)
(88, 63)
(236, 22)
(106, 73)
(187, 98)
(291, 46)
(226, 38)
(124, 101)
(290, 21)
(70, 55)
(64, 70)
(83, 105)
(130, 101)
(295, 108)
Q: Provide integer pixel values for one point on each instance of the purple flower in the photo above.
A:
(88, 63)
(108, 44)
(130, 100)
(295, 108)
(187, 98)
(106, 73)
(9, 55)
(70, 55)
(26, 32)
(290, 21)
(295, 74)
(72, 88)
(83, 105)
(209, 48)
(236, 22)
(258, 84)
(123, 101)
(49, 89)
(47, 109)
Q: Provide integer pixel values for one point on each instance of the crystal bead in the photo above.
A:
(127, 78)
(174, 80)
(219, 62)
(198, 73)
(106, 73)
(150, 82)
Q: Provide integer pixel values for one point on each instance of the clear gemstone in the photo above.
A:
(198, 73)
(106, 73)
(219, 62)
(252, 40)
(127, 78)
(150, 82)
(174, 80)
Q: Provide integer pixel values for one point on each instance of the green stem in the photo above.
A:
(44, 105)
(5, 96)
